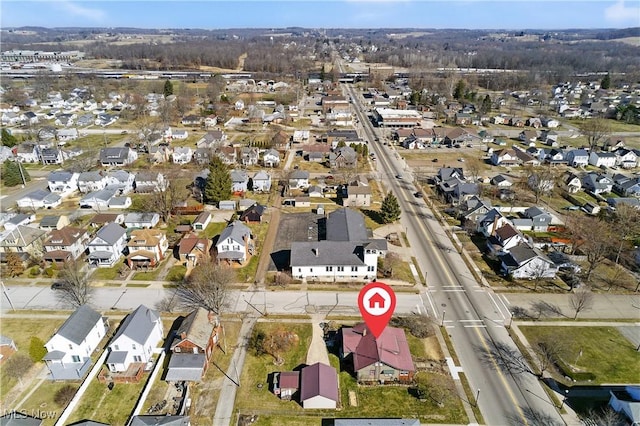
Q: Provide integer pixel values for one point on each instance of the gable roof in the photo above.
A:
(65, 236)
(346, 225)
(236, 231)
(197, 327)
(319, 380)
(138, 325)
(111, 233)
(79, 324)
(390, 348)
(160, 421)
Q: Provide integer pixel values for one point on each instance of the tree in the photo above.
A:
(8, 139)
(277, 342)
(17, 366)
(37, 351)
(75, 288)
(541, 180)
(435, 386)
(207, 286)
(625, 223)
(218, 186)
(597, 245)
(390, 262)
(548, 351)
(163, 202)
(168, 88)
(474, 166)
(14, 174)
(596, 130)
(606, 82)
(606, 416)
(15, 265)
(390, 209)
(64, 395)
(580, 300)
(458, 92)
(485, 107)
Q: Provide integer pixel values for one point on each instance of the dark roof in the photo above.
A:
(79, 324)
(390, 348)
(197, 327)
(319, 380)
(289, 380)
(160, 421)
(16, 418)
(111, 233)
(138, 324)
(330, 253)
(346, 225)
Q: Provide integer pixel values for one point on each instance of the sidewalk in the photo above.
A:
(604, 306)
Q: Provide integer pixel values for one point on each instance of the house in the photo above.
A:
(357, 194)
(591, 208)
(117, 156)
(63, 183)
(239, 181)
(65, 244)
(91, 181)
(285, 384)
(191, 120)
(51, 156)
(192, 249)
(550, 123)
(555, 156)
(540, 183)
(146, 182)
(299, 179)
(27, 153)
(235, 243)
(474, 208)
(541, 218)
(202, 155)
(524, 262)
(182, 155)
(315, 191)
(602, 159)
(179, 134)
(141, 220)
(39, 199)
(51, 222)
(135, 340)
(253, 214)
(201, 221)
(630, 201)
(66, 135)
(227, 154)
(271, 158)
(20, 219)
(501, 181)
(626, 158)
(107, 246)
(261, 181)
(504, 238)
(69, 350)
(245, 203)
(249, 156)
(386, 359)
(147, 248)
(101, 219)
(160, 421)
(528, 136)
(627, 402)
(19, 418)
(192, 347)
(7, 348)
(343, 157)
(505, 157)
(23, 239)
(98, 200)
(319, 387)
(597, 183)
(121, 181)
(571, 183)
(626, 186)
(346, 253)
(578, 157)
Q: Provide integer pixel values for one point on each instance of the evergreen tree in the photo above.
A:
(323, 74)
(606, 82)
(12, 173)
(390, 209)
(168, 88)
(8, 139)
(458, 92)
(486, 105)
(218, 186)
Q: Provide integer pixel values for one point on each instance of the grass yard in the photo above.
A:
(213, 229)
(108, 406)
(605, 352)
(42, 401)
(148, 275)
(21, 331)
(176, 273)
(108, 273)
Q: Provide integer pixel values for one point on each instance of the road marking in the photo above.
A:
(475, 326)
(471, 320)
(449, 290)
(433, 308)
(496, 305)
(453, 368)
(418, 307)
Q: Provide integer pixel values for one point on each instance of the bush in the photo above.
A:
(37, 351)
(64, 395)
(50, 272)
(576, 376)
(34, 272)
(416, 324)
(256, 343)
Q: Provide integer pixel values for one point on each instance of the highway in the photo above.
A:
(473, 316)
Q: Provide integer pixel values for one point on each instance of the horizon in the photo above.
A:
(487, 15)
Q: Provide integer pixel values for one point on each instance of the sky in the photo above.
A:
(219, 14)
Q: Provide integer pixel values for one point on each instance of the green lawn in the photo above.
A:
(605, 352)
(176, 273)
(213, 229)
(21, 331)
(42, 400)
(107, 273)
(109, 406)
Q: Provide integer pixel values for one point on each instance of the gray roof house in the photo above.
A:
(597, 183)
(136, 339)
(39, 199)
(98, 200)
(118, 156)
(107, 246)
(234, 243)
(524, 262)
(18, 418)
(69, 349)
(540, 217)
(141, 220)
(239, 181)
(160, 421)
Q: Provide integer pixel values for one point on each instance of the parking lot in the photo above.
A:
(293, 227)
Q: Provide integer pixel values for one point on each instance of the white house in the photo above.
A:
(69, 349)
(107, 246)
(141, 220)
(136, 339)
(524, 262)
(98, 200)
(627, 158)
(182, 155)
(271, 158)
(600, 159)
(235, 243)
(239, 180)
(63, 183)
(261, 181)
(577, 157)
(299, 179)
(150, 182)
(39, 199)
(91, 181)
(121, 181)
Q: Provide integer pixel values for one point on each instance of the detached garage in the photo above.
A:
(319, 386)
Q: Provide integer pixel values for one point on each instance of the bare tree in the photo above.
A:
(207, 286)
(541, 180)
(626, 227)
(17, 366)
(580, 300)
(163, 202)
(74, 284)
(475, 166)
(548, 350)
(597, 243)
(605, 417)
(597, 130)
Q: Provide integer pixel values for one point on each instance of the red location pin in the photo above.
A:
(376, 301)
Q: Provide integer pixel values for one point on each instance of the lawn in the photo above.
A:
(176, 273)
(108, 273)
(42, 401)
(151, 275)
(213, 229)
(109, 406)
(21, 330)
(602, 351)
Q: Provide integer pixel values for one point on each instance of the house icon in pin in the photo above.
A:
(376, 299)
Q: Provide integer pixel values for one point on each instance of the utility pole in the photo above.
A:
(6, 294)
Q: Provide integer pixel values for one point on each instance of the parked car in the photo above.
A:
(418, 194)
(398, 176)
(57, 286)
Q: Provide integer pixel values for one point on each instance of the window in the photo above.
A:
(75, 358)
(137, 358)
(70, 346)
(225, 248)
(116, 348)
(133, 346)
(369, 268)
(354, 269)
(310, 269)
(236, 248)
(329, 268)
(340, 268)
(177, 349)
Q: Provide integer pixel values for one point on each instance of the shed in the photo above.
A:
(286, 383)
(302, 202)
(319, 386)
(227, 205)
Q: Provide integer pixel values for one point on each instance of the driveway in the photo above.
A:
(317, 351)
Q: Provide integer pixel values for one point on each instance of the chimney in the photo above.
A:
(364, 331)
(316, 251)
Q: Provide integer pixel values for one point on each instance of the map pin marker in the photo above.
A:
(376, 301)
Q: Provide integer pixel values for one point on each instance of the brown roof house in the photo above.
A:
(192, 346)
(147, 248)
(286, 384)
(386, 359)
(192, 249)
(319, 386)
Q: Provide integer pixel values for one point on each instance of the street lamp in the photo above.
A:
(510, 320)
(566, 396)
(477, 396)
(443, 312)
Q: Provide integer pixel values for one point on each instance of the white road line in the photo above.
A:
(453, 290)
(418, 307)
(470, 320)
(497, 307)
(449, 326)
(503, 299)
(433, 307)
(475, 326)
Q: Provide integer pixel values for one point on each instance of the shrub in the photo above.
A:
(64, 395)
(37, 351)
(34, 272)
(416, 324)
